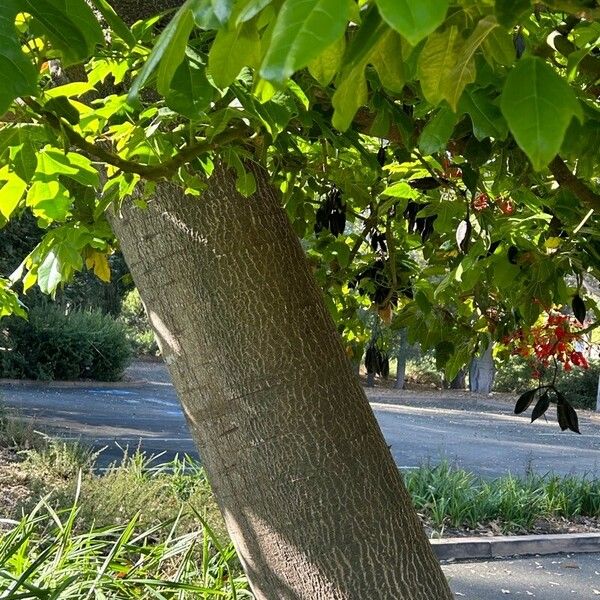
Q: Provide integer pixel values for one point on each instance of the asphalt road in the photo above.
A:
(480, 435)
(545, 578)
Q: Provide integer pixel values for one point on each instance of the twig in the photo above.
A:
(566, 179)
(163, 170)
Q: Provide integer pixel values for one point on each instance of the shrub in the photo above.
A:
(513, 375)
(134, 318)
(55, 345)
(579, 386)
(423, 370)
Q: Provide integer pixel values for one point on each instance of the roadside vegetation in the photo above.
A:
(145, 528)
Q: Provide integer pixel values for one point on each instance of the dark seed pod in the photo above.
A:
(337, 222)
(519, 42)
(424, 183)
(331, 214)
(384, 365)
(372, 359)
(578, 306)
(321, 219)
(381, 156)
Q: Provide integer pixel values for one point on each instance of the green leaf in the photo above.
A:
(222, 9)
(9, 301)
(61, 107)
(400, 189)
(436, 61)
(191, 92)
(538, 106)
(327, 64)
(48, 273)
(304, 28)
(17, 72)
(447, 65)
(52, 162)
(414, 19)
(386, 57)
(437, 132)
(115, 22)
(231, 51)
(245, 181)
(498, 48)
(250, 10)
(49, 200)
(485, 115)
(371, 30)
(11, 193)
(70, 25)
(174, 52)
(23, 158)
(349, 96)
(509, 12)
(161, 48)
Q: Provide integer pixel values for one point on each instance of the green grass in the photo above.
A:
(450, 497)
(43, 556)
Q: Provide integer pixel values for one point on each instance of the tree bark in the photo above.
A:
(482, 371)
(310, 493)
(401, 353)
(458, 383)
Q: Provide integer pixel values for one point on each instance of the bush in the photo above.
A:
(447, 496)
(55, 345)
(579, 386)
(134, 318)
(514, 375)
(423, 370)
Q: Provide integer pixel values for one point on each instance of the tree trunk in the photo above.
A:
(308, 488)
(482, 371)
(458, 383)
(370, 379)
(401, 360)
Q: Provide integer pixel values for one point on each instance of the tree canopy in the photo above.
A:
(439, 159)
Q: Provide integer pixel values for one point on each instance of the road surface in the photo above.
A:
(561, 577)
(480, 435)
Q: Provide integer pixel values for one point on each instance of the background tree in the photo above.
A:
(462, 230)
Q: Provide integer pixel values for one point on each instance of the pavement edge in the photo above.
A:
(499, 546)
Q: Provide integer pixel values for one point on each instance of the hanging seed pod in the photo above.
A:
(579, 309)
(372, 359)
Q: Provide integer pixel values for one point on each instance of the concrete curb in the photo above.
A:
(494, 547)
(87, 384)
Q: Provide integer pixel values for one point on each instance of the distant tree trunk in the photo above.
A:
(458, 383)
(482, 371)
(370, 379)
(401, 360)
(308, 488)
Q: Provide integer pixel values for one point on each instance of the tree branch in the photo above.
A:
(566, 179)
(163, 170)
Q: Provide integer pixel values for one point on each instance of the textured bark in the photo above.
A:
(310, 493)
(482, 371)
(458, 383)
